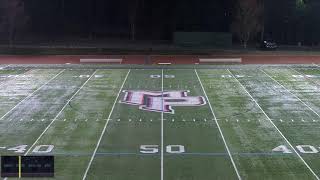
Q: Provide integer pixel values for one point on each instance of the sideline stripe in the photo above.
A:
(290, 92)
(304, 162)
(162, 125)
(55, 118)
(105, 127)
(31, 94)
(215, 118)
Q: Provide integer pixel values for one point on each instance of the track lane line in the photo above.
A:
(55, 118)
(31, 94)
(288, 142)
(219, 128)
(104, 128)
(290, 92)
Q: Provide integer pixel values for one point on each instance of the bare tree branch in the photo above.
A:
(13, 17)
(248, 20)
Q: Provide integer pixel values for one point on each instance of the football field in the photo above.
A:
(165, 123)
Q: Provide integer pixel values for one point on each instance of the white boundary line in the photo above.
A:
(290, 92)
(55, 118)
(215, 118)
(162, 126)
(31, 94)
(104, 128)
(304, 162)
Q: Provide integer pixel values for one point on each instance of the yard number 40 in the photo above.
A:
(305, 149)
(37, 149)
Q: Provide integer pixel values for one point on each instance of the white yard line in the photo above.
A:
(215, 118)
(296, 71)
(4, 67)
(304, 162)
(305, 76)
(31, 94)
(104, 128)
(290, 92)
(316, 64)
(55, 118)
(162, 126)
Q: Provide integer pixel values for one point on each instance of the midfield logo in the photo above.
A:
(161, 102)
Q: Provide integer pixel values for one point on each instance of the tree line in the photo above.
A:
(295, 22)
(286, 21)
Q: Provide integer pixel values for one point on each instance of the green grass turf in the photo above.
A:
(80, 107)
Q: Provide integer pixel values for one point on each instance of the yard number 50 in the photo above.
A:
(152, 149)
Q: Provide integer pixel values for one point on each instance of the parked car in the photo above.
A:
(268, 44)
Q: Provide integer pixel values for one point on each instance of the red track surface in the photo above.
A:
(154, 59)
